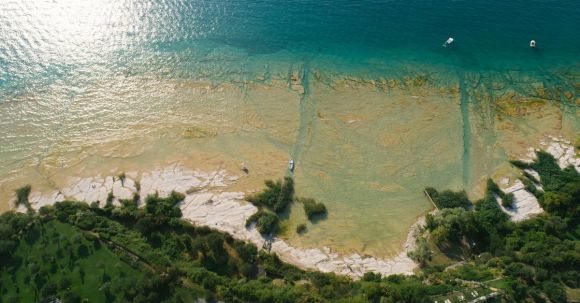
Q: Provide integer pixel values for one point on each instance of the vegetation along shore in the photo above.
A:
(133, 251)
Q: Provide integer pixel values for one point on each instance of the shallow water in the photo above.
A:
(360, 93)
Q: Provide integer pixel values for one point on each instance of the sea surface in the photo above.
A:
(361, 94)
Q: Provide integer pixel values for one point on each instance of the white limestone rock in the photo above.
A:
(223, 211)
(525, 204)
(38, 200)
(227, 212)
(564, 153)
(533, 173)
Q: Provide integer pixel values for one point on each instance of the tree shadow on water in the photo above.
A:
(317, 218)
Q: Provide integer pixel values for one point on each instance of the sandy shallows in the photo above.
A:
(365, 148)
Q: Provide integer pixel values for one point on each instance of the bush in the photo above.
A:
(312, 208)
(301, 228)
(22, 195)
(110, 198)
(422, 253)
(122, 178)
(448, 198)
(276, 196)
(492, 187)
(508, 200)
(562, 186)
(531, 187)
(266, 222)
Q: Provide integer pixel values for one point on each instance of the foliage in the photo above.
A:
(301, 228)
(121, 177)
(22, 196)
(561, 186)
(448, 198)
(12, 225)
(422, 252)
(507, 200)
(276, 196)
(106, 255)
(266, 222)
(313, 208)
(538, 256)
(50, 256)
(471, 272)
(130, 254)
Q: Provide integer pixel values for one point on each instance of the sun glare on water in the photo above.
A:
(66, 31)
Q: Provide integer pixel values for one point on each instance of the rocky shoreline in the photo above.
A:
(208, 205)
(525, 203)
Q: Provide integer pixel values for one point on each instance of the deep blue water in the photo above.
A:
(75, 41)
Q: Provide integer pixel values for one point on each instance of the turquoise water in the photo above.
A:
(101, 86)
(77, 41)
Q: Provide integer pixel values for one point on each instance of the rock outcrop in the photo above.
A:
(525, 203)
(207, 204)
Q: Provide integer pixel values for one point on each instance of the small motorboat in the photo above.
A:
(533, 44)
(448, 42)
(291, 165)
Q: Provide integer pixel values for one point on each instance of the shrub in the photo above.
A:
(531, 187)
(301, 228)
(448, 198)
(561, 186)
(492, 187)
(422, 253)
(22, 195)
(176, 197)
(312, 208)
(110, 198)
(508, 200)
(122, 178)
(276, 196)
(266, 222)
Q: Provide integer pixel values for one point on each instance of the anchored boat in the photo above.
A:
(448, 42)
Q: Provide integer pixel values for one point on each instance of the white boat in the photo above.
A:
(448, 42)
(533, 43)
(291, 165)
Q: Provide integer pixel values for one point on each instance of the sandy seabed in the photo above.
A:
(365, 148)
